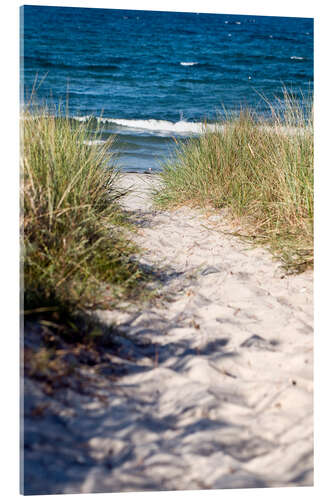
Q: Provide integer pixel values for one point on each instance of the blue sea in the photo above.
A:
(154, 78)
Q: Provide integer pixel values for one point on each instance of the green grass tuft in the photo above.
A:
(262, 170)
(75, 252)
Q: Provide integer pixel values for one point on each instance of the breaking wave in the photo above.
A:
(180, 127)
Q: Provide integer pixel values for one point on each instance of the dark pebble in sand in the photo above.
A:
(210, 270)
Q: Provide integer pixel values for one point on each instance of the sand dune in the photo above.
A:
(217, 390)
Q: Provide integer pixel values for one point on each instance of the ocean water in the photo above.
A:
(154, 78)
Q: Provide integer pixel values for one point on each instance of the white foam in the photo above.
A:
(83, 118)
(96, 142)
(296, 57)
(181, 127)
(188, 63)
(164, 126)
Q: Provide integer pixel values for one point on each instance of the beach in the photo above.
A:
(208, 386)
(167, 237)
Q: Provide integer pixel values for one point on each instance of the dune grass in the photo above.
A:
(262, 170)
(75, 253)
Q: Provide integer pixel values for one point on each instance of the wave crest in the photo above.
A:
(188, 63)
(180, 127)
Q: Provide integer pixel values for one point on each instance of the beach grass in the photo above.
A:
(76, 252)
(261, 170)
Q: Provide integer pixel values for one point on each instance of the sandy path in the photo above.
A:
(218, 388)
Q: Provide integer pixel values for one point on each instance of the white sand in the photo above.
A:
(219, 392)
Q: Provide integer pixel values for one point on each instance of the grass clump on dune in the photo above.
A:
(75, 253)
(262, 170)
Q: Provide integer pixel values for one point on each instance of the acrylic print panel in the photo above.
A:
(162, 349)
